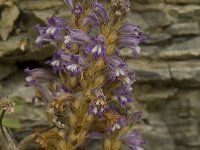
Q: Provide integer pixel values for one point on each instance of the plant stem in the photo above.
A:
(1, 124)
(27, 140)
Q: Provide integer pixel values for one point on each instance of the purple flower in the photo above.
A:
(129, 29)
(101, 12)
(91, 19)
(36, 75)
(117, 124)
(78, 10)
(57, 22)
(136, 116)
(116, 67)
(130, 37)
(124, 93)
(97, 108)
(96, 47)
(47, 34)
(98, 92)
(79, 36)
(60, 88)
(76, 36)
(62, 61)
(53, 32)
(133, 139)
(75, 65)
(33, 79)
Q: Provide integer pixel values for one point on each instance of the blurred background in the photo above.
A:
(167, 71)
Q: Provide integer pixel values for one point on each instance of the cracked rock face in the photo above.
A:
(167, 71)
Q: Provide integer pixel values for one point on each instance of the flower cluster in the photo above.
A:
(90, 87)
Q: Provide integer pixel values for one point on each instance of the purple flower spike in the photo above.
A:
(97, 47)
(78, 10)
(101, 12)
(133, 139)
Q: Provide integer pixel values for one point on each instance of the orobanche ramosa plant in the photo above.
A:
(88, 93)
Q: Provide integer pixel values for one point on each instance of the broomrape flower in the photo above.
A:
(91, 88)
(133, 139)
(96, 47)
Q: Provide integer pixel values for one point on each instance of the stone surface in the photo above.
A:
(184, 28)
(157, 37)
(187, 72)
(6, 70)
(8, 17)
(153, 94)
(183, 1)
(150, 71)
(36, 5)
(12, 45)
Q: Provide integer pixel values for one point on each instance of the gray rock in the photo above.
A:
(184, 13)
(186, 71)
(184, 50)
(12, 45)
(182, 1)
(8, 17)
(184, 124)
(6, 70)
(38, 5)
(154, 15)
(184, 28)
(150, 71)
(153, 94)
(153, 38)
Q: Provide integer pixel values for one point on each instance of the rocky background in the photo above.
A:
(168, 70)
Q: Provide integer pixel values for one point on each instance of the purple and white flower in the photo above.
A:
(91, 19)
(124, 93)
(75, 65)
(78, 10)
(36, 75)
(100, 11)
(116, 67)
(96, 47)
(62, 61)
(133, 139)
(53, 32)
(97, 108)
(130, 36)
